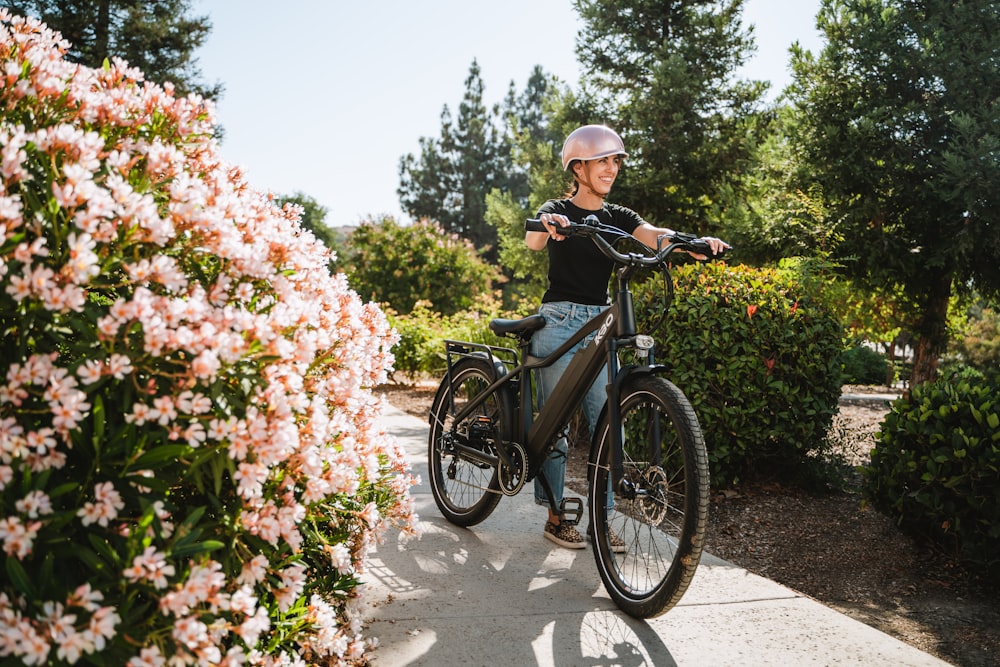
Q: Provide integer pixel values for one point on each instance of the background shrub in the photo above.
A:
(759, 361)
(400, 265)
(422, 332)
(863, 365)
(936, 464)
(978, 343)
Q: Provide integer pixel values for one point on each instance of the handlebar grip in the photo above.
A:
(533, 225)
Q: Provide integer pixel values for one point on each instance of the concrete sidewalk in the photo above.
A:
(500, 594)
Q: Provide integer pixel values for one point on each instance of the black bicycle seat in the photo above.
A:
(522, 327)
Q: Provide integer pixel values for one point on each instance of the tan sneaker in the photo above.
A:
(564, 535)
(616, 543)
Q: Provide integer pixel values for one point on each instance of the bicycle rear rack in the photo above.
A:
(497, 356)
(499, 359)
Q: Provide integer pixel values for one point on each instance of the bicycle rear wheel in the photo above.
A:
(660, 512)
(466, 489)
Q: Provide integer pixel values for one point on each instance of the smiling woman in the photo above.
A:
(578, 288)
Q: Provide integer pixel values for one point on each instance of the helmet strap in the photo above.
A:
(586, 182)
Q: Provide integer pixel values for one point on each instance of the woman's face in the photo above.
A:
(599, 174)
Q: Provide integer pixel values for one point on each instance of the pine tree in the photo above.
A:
(450, 178)
(664, 74)
(526, 123)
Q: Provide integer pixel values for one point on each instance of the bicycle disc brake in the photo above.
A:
(653, 498)
(511, 477)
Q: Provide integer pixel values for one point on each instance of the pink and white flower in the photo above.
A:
(104, 509)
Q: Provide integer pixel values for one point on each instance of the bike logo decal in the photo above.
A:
(604, 329)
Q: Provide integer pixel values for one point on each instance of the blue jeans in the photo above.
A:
(562, 320)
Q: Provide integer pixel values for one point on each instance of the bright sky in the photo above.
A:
(325, 96)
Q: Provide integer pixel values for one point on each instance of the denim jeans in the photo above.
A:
(562, 320)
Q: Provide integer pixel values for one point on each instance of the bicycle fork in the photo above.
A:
(644, 344)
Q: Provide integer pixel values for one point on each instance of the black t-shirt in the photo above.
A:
(578, 272)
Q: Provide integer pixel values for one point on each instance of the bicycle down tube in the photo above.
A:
(583, 370)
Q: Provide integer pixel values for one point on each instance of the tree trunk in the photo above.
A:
(890, 372)
(102, 32)
(932, 331)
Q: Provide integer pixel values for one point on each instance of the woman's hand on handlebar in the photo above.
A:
(552, 222)
(717, 247)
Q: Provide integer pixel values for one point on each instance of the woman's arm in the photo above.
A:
(648, 234)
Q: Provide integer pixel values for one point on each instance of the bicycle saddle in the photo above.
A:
(523, 327)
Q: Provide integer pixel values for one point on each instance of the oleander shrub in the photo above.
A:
(862, 365)
(191, 467)
(935, 467)
(759, 359)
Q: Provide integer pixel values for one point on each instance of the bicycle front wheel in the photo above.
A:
(466, 489)
(649, 531)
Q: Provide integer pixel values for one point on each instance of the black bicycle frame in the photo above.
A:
(610, 328)
(583, 370)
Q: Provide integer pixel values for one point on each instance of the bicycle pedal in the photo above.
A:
(571, 510)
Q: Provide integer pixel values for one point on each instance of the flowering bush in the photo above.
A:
(191, 469)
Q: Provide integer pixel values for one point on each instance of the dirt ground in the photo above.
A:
(833, 549)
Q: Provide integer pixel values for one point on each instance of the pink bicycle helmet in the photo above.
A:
(591, 142)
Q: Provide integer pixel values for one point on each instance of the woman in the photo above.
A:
(578, 285)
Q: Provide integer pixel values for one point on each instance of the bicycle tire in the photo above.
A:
(663, 521)
(467, 491)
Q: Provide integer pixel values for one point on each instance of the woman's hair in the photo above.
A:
(574, 186)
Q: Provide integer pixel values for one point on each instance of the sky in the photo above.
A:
(324, 97)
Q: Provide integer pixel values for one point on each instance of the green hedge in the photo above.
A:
(863, 365)
(758, 359)
(760, 362)
(422, 332)
(936, 465)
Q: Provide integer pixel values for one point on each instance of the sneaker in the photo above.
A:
(617, 544)
(564, 535)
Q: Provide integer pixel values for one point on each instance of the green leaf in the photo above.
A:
(90, 558)
(185, 550)
(98, 422)
(160, 454)
(103, 548)
(19, 577)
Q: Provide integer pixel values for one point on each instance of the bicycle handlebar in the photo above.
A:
(591, 227)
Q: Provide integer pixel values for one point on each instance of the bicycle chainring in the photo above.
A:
(511, 477)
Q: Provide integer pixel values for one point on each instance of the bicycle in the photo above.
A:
(647, 466)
